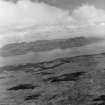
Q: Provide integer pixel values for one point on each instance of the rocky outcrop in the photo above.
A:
(22, 87)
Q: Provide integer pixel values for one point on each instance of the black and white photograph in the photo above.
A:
(52, 52)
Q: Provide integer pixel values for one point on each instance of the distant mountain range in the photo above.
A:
(22, 48)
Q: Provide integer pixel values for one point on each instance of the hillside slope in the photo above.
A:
(78, 80)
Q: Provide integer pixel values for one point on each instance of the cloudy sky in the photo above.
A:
(21, 20)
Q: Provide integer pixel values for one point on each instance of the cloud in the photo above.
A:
(21, 20)
(89, 14)
(88, 18)
(25, 13)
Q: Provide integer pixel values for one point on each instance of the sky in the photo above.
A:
(24, 19)
(70, 4)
